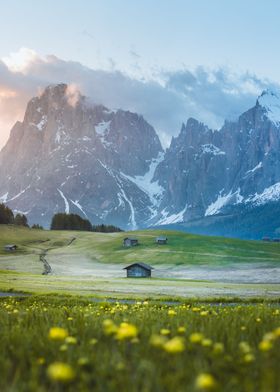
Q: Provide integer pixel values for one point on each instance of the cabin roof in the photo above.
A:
(161, 238)
(10, 245)
(143, 265)
(130, 239)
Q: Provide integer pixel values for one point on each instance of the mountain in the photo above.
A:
(72, 155)
(223, 173)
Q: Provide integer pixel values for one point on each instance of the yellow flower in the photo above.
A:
(70, 318)
(248, 358)
(63, 347)
(244, 347)
(93, 341)
(109, 327)
(157, 340)
(258, 320)
(196, 337)
(206, 342)
(57, 333)
(171, 312)
(71, 340)
(205, 382)
(265, 345)
(83, 361)
(277, 332)
(174, 345)
(60, 372)
(243, 328)
(181, 329)
(218, 348)
(126, 331)
(164, 331)
(204, 313)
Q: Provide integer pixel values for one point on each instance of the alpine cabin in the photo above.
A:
(138, 270)
(127, 242)
(161, 240)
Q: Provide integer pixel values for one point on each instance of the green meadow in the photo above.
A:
(55, 343)
(86, 263)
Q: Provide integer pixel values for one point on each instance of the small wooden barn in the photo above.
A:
(161, 240)
(10, 248)
(138, 270)
(130, 242)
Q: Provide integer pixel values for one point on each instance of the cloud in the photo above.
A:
(165, 101)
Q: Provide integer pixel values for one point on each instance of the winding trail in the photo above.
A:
(47, 267)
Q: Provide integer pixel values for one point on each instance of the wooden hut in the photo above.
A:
(130, 242)
(10, 248)
(138, 270)
(161, 240)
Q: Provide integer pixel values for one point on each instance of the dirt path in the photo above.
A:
(47, 267)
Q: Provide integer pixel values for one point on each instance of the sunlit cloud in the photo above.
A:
(166, 100)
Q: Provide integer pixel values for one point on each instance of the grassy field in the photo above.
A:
(69, 344)
(181, 249)
(92, 264)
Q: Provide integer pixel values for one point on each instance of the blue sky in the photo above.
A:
(167, 60)
(168, 34)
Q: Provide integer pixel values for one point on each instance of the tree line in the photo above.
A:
(60, 221)
(63, 221)
(7, 217)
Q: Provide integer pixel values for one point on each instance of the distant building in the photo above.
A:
(138, 270)
(130, 242)
(266, 239)
(161, 240)
(10, 248)
(276, 240)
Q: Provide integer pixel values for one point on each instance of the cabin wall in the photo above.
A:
(138, 272)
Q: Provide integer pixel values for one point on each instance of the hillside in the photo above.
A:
(182, 248)
(88, 263)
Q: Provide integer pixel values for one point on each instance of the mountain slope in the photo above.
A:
(69, 155)
(208, 172)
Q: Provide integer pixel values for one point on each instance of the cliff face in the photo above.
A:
(78, 157)
(108, 165)
(208, 172)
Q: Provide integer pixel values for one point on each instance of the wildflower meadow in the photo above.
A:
(52, 343)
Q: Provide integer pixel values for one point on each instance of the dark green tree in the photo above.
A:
(21, 220)
(62, 221)
(6, 214)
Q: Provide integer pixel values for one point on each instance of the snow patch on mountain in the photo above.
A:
(174, 218)
(269, 194)
(42, 123)
(222, 200)
(4, 197)
(147, 185)
(215, 207)
(259, 166)
(270, 101)
(19, 194)
(102, 129)
(211, 149)
(78, 205)
(67, 207)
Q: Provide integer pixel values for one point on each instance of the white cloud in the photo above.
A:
(165, 101)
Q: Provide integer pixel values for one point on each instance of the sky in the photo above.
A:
(167, 60)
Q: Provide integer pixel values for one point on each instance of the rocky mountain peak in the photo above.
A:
(270, 102)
